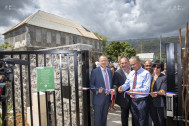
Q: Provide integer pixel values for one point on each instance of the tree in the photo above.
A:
(6, 45)
(119, 48)
(104, 40)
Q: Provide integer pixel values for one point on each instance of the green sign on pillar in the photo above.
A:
(45, 78)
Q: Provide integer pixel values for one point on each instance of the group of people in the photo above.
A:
(131, 84)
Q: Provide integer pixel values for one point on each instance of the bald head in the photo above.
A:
(135, 63)
(148, 66)
(103, 61)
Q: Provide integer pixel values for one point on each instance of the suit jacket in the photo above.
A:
(119, 79)
(97, 80)
(160, 83)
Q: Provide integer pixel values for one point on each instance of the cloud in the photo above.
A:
(120, 20)
(163, 17)
(12, 11)
(115, 19)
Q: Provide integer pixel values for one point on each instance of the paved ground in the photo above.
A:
(114, 117)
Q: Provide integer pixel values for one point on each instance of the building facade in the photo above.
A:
(43, 30)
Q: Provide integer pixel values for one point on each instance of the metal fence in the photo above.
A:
(66, 61)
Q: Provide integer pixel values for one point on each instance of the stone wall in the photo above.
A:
(17, 37)
(32, 37)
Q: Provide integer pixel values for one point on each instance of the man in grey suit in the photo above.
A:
(119, 78)
(101, 79)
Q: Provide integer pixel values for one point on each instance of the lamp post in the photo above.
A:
(160, 48)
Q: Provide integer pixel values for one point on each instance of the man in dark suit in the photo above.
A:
(119, 78)
(101, 79)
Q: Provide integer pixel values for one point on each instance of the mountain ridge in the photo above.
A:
(152, 45)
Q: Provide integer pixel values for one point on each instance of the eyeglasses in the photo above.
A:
(103, 60)
(133, 64)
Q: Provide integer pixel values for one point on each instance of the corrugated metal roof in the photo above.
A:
(50, 21)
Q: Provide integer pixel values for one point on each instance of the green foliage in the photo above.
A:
(104, 40)
(6, 45)
(9, 108)
(119, 48)
(128, 52)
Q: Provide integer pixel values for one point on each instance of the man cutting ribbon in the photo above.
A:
(139, 80)
(101, 78)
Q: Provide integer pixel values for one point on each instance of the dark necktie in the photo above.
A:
(106, 81)
(134, 83)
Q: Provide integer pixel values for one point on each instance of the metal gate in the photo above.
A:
(66, 105)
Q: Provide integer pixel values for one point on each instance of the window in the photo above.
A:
(67, 40)
(38, 35)
(48, 37)
(98, 45)
(57, 38)
(74, 40)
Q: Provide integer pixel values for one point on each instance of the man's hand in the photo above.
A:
(100, 90)
(120, 89)
(1, 77)
(130, 91)
(154, 95)
(113, 91)
(161, 92)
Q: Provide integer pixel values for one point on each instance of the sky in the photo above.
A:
(114, 19)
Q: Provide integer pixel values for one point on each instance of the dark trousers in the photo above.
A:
(100, 113)
(124, 115)
(158, 115)
(139, 111)
(149, 120)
